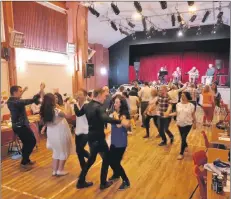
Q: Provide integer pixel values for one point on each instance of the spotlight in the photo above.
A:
(123, 32)
(93, 11)
(113, 25)
(173, 20)
(138, 6)
(207, 13)
(131, 24)
(163, 4)
(220, 15)
(115, 8)
(214, 30)
(179, 18)
(136, 16)
(193, 18)
(192, 9)
(180, 33)
(190, 3)
(133, 36)
(144, 23)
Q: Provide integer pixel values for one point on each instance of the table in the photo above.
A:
(213, 154)
(214, 138)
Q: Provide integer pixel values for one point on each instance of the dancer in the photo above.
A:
(119, 143)
(58, 133)
(20, 123)
(134, 108)
(193, 75)
(81, 130)
(185, 113)
(97, 117)
(217, 95)
(151, 113)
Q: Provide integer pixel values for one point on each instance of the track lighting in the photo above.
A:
(173, 19)
(220, 15)
(131, 24)
(192, 19)
(123, 32)
(163, 4)
(113, 25)
(138, 6)
(206, 16)
(144, 23)
(115, 8)
(93, 11)
(190, 3)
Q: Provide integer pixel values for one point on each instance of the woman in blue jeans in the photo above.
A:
(119, 142)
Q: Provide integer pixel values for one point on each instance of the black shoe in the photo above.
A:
(83, 185)
(114, 178)
(146, 136)
(105, 186)
(171, 140)
(124, 185)
(162, 144)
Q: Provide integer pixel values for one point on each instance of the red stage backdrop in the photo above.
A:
(149, 66)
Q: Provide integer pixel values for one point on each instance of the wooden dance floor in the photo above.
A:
(153, 171)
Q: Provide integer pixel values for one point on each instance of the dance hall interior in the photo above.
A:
(113, 99)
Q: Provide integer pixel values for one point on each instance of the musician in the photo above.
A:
(177, 75)
(209, 75)
(161, 74)
(193, 75)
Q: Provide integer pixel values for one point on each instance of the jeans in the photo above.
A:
(143, 107)
(184, 131)
(101, 147)
(147, 122)
(116, 155)
(80, 143)
(27, 137)
(164, 124)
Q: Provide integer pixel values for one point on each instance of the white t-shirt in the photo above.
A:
(145, 94)
(133, 102)
(184, 114)
(81, 124)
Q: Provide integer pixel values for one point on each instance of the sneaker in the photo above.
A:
(26, 167)
(84, 185)
(124, 185)
(31, 162)
(54, 173)
(158, 136)
(180, 157)
(162, 143)
(114, 178)
(105, 186)
(146, 136)
(62, 173)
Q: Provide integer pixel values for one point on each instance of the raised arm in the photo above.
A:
(79, 112)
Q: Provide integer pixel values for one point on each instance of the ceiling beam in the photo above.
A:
(55, 5)
(61, 4)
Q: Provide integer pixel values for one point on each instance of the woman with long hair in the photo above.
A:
(208, 105)
(217, 95)
(58, 133)
(119, 142)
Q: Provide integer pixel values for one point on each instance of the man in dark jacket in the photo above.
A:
(20, 123)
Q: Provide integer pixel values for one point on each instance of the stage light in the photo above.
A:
(179, 18)
(214, 30)
(192, 19)
(207, 13)
(163, 4)
(173, 19)
(132, 25)
(136, 16)
(220, 15)
(144, 23)
(192, 9)
(190, 3)
(138, 6)
(115, 8)
(93, 11)
(180, 33)
(123, 32)
(103, 71)
(113, 25)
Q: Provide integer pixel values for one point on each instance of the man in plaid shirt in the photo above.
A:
(164, 107)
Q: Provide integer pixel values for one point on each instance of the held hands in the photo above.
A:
(125, 123)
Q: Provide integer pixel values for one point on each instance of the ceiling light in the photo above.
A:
(163, 4)
(190, 3)
(93, 11)
(179, 18)
(144, 23)
(132, 25)
(113, 25)
(173, 19)
(136, 16)
(206, 16)
(192, 19)
(192, 9)
(180, 33)
(214, 30)
(115, 8)
(138, 6)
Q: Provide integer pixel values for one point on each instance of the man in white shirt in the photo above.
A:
(81, 130)
(145, 96)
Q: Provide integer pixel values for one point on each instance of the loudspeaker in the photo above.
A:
(218, 64)
(89, 70)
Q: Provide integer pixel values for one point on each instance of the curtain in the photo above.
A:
(149, 66)
(132, 73)
(43, 28)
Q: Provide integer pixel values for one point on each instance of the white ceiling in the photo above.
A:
(100, 31)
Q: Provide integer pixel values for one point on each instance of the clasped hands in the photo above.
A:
(124, 122)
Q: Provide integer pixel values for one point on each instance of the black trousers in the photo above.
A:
(116, 155)
(27, 137)
(164, 125)
(174, 109)
(147, 122)
(143, 107)
(184, 131)
(80, 143)
(101, 147)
